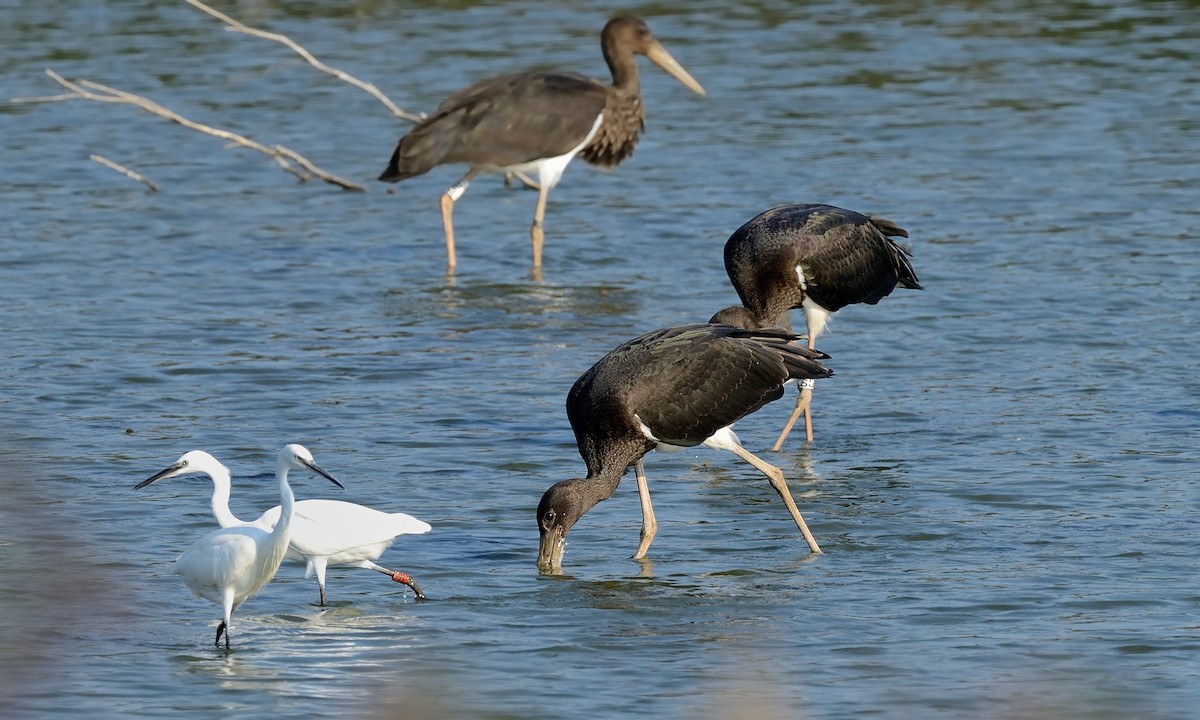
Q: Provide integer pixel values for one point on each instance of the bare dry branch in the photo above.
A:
(124, 171)
(112, 95)
(279, 153)
(44, 98)
(236, 26)
(307, 165)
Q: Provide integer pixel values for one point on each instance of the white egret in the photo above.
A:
(324, 532)
(229, 565)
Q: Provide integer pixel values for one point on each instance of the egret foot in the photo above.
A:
(407, 580)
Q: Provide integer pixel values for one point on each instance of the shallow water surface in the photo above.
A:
(1004, 473)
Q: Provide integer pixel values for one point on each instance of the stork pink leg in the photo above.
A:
(775, 477)
(448, 199)
(649, 524)
(536, 231)
(448, 229)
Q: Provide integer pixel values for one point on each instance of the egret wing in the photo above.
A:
(326, 527)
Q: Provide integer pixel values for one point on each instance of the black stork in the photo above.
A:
(537, 121)
(669, 389)
(819, 258)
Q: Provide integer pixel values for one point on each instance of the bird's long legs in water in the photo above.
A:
(775, 476)
(228, 607)
(535, 231)
(803, 405)
(403, 578)
(447, 203)
(447, 206)
(649, 524)
(399, 577)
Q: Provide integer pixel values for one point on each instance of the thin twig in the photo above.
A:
(307, 164)
(278, 152)
(124, 171)
(44, 98)
(119, 96)
(339, 74)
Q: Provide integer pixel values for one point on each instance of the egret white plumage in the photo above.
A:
(229, 565)
(324, 532)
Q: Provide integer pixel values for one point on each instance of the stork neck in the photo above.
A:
(740, 316)
(595, 488)
(769, 315)
(623, 67)
(585, 493)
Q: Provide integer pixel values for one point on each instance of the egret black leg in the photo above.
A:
(222, 629)
(406, 579)
(403, 578)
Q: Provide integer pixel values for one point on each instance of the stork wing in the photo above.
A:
(509, 120)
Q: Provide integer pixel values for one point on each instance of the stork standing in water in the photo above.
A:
(669, 389)
(529, 121)
(819, 258)
(324, 532)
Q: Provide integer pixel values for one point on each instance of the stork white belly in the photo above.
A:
(815, 316)
(723, 439)
(549, 169)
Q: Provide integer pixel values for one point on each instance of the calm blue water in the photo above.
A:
(1004, 477)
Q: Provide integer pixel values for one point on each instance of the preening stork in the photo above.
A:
(818, 258)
